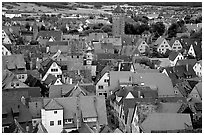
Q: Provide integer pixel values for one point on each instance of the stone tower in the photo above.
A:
(118, 27)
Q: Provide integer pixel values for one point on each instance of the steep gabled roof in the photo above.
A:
(173, 55)
(101, 74)
(118, 9)
(53, 105)
(40, 128)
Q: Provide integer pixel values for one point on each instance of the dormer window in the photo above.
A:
(68, 121)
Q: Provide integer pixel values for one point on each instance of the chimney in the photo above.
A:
(27, 128)
(31, 65)
(139, 94)
(195, 42)
(186, 67)
(70, 80)
(23, 100)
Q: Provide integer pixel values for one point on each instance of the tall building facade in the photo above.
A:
(118, 26)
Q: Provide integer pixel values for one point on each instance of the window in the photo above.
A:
(17, 84)
(106, 80)
(22, 76)
(51, 123)
(19, 77)
(59, 122)
(59, 76)
(100, 87)
(54, 70)
(67, 121)
(100, 94)
(85, 119)
(55, 112)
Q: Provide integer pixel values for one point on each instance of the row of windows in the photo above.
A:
(100, 87)
(105, 94)
(165, 46)
(59, 122)
(14, 84)
(179, 47)
(54, 70)
(21, 77)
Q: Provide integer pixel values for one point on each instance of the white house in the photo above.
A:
(68, 113)
(176, 46)
(5, 38)
(198, 68)
(52, 117)
(191, 51)
(162, 45)
(102, 83)
(142, 46)
(174, 57)
(54, 69)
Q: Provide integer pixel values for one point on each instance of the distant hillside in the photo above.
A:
(189, 4)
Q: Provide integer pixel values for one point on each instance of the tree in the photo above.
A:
(106, 28)
(42, 27)
(158, 29)
(187, 19)
(63, 29)
(34, 42)
(27, 26)
(172, 30)
(196, 34)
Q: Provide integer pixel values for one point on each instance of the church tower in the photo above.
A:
(118, 26)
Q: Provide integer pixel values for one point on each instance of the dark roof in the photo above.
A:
(51, 79)
(186, 61)
(13, 61)
(166, 122)
(110, 56)
(53, 105)
(86, 105)
(32, 91)
(173, 55)
(198, 106)
(35, 105)
(47, 34)
(105, 129)
(100, 74)
(118, 9)
(8, 105)
(57, 91)
(8, 46)
(40, 128)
